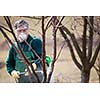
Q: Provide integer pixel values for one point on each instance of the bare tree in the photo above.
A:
(87, 58)
(52, 21)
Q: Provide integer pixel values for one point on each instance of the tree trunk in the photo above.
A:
(85, 76)
(99, 71)
(99, 78)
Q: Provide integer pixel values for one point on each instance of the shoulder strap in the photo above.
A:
(32, 40)
(33, 52)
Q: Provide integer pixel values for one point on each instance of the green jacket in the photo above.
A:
(14, 62)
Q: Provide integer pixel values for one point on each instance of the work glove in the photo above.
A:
(34, 66)
(48, 61)
(15, 74)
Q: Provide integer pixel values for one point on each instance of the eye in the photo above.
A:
(19, 30)
(24, 30)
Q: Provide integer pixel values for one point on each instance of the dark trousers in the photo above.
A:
(25, 78)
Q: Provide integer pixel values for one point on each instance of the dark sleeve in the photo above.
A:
(37, 46)
(10, 62)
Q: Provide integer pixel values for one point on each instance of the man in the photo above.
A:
(15, 66)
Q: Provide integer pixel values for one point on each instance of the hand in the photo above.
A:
(34, 66)
(15, 74)
(48, 61)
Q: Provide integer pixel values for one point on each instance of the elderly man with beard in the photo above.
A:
(15, 66)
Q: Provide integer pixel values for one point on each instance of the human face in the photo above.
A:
(22, 33)
(21, 29)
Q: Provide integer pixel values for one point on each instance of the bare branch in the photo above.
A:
(79, 52)
(43, 51)
(95, 55)
(55, 47)
(60, 51)
(55, 24)
(75, 43)
(84, 41)
(90, 25)
(5, 28)
(90, 38)
(34, 17)
(48, 24)
(33, 50)
(97, 70)
(7, 38)
(71, 49)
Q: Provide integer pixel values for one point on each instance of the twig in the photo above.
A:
(5, 28)
(48, 24)
(60, 51)
(34, 17)
(97, 70)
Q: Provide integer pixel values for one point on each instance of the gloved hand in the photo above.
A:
(15, 74)
(34, 66)
(48, 61)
